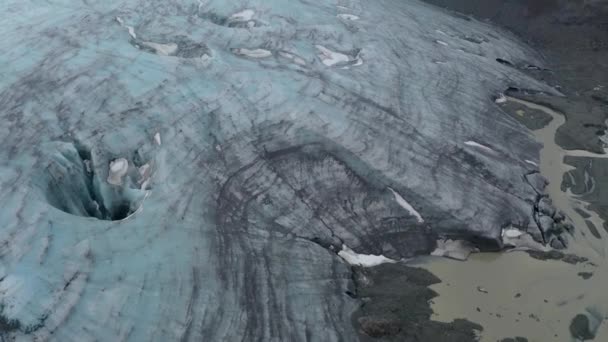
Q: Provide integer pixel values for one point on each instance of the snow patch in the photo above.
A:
(244, 15)
(253, 53)
(531, 162)
(364, 260)
(478, 145)
(331, 58)
(513, 237)
(129, 28)
(350, 17)
(405, 205)
(118, 169)
(162, 49)
(501, 99)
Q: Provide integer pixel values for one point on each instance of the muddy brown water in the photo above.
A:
(511, 294)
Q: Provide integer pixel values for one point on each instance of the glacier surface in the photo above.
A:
(288, 130)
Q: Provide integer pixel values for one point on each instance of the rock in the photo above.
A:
(545, 207)
(514, 339)
(557, 243)
(537, 181)
(559, 216)
(546, 224)
(482, 289)
(398, 307)
(580, 329)
(378, 327)
(585, 275)
(556, 255)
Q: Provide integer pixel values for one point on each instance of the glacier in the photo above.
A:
(288, 130)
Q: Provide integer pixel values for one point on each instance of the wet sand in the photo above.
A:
(511, 294)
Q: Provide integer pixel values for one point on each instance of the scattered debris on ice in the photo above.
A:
(118, 169)
(454, 249)
(364, 260)
(252, 53)
(405, 205)
(478, 145)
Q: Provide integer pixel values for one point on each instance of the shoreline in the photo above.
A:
(538, 297)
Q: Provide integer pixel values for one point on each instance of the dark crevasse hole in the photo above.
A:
(121, 211)
(71, 185)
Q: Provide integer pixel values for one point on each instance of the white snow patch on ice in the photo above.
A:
(405, 205)
(244, 15)
(350, 17)
(501, 99)
(162, 49)
(129, 28)
(253, 53)
(330, 58)
(521, 240)
(365, 260)
(118, 168)
(358, 60)
(478, 145)
(512, 232)
(531, 162)
(131, 31)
